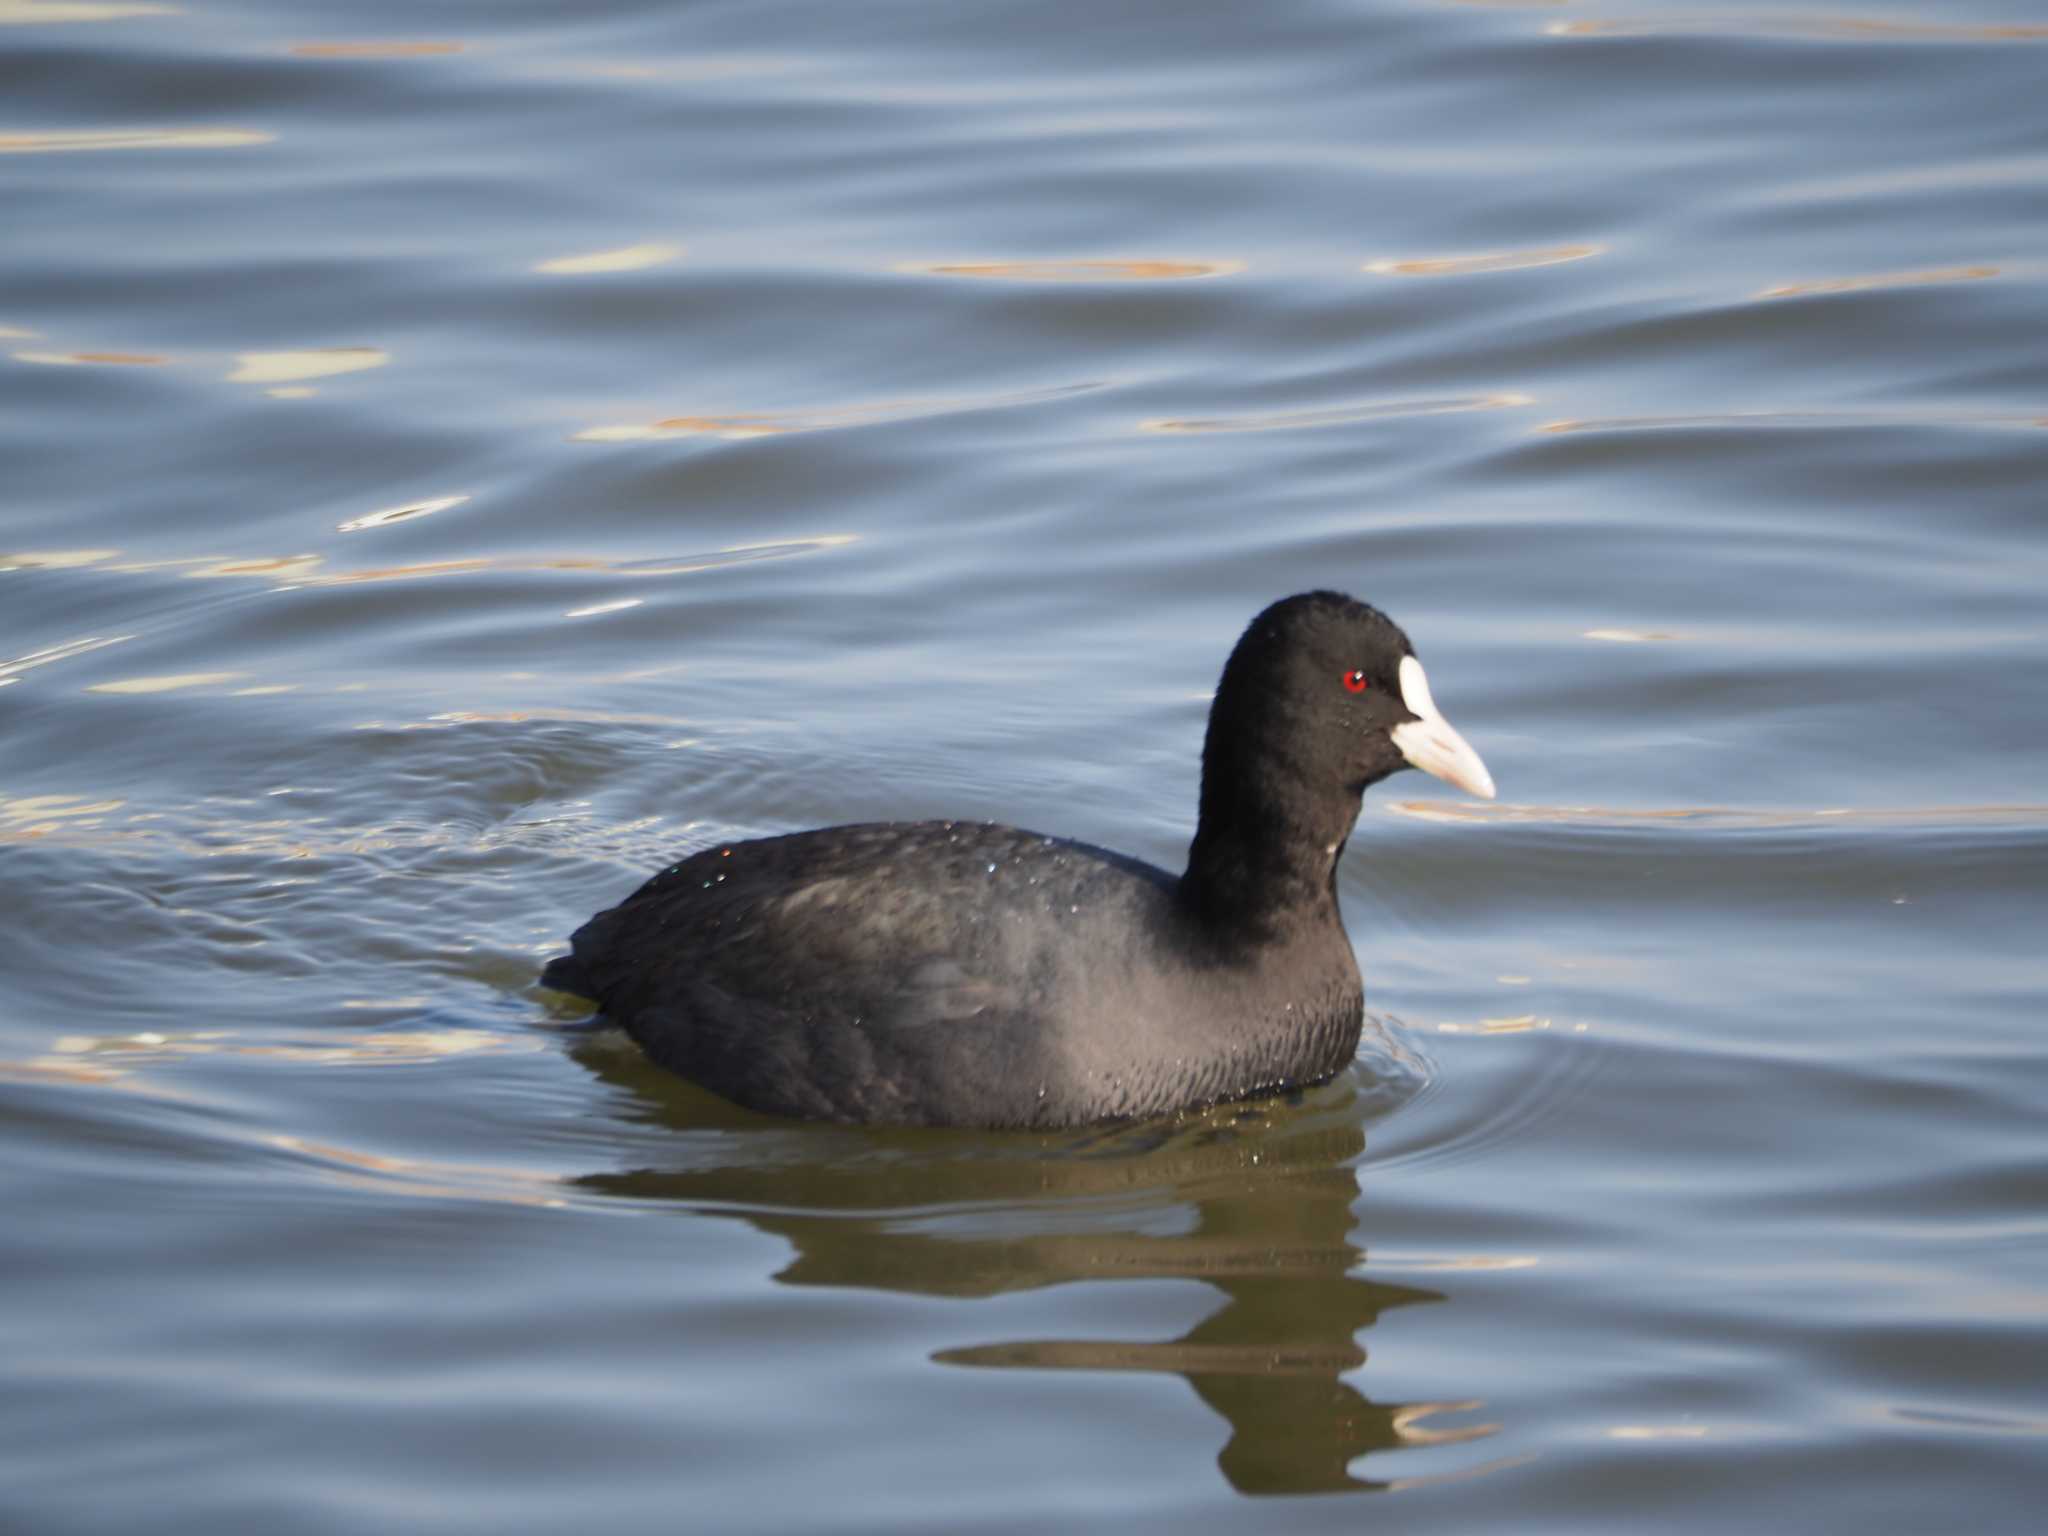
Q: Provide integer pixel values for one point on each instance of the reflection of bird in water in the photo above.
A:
(1254, 1200)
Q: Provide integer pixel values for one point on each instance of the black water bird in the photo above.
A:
(962, 973)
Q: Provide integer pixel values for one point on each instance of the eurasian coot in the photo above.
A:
(961, 973)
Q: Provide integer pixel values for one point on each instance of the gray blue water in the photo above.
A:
(454, 458)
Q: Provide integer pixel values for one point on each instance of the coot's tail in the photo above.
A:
(565, 973)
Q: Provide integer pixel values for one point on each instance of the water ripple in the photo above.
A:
(1814, 28)
(1918, 279)
(1799, 420)
(1094, 271)
(1916, 818)
(374, 50)
(29, 13)
(1336, 416)
(1483, 261)
(628, 258)
(55, 141)
(822, 419)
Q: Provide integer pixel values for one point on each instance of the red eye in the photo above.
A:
(1356, 682)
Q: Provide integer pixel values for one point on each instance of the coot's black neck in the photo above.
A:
(1265, 853)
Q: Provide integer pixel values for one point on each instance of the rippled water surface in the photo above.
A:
(454, 457)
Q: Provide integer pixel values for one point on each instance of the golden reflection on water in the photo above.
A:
(822, 419)
(45, 1071)
(54, 559)
(426, 1178)
(1290, 421)
(306, 570)
(313, 363)
(104, 359)
(1075, 271)
(29, 807)
(629, 258)
(1819, 28)
(1483, 261)
(431, 568)
(393, 1048)
(21, 13)
(373, 50)
(1881, 280)
(110, 1062)
(734, 427)
(27, 817)
(68, 140)
(283, 566)
(1658, 1432)
(113, 1061)
(167, 683)
(761, 425)
(1519, 1024)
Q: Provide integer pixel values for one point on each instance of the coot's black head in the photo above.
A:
(1330, 687)
(1322, 697)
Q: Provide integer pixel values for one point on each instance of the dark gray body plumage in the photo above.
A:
(960, 973)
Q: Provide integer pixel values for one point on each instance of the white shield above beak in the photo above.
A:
(1429, 743)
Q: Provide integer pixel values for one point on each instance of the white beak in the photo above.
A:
(1429, 743)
